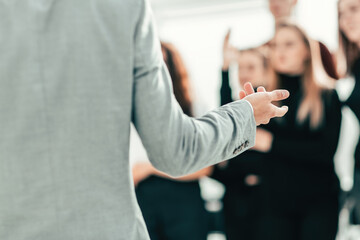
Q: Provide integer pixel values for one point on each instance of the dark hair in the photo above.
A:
(348, 53)
(179, 76)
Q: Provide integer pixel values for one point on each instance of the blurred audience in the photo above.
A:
(286, 186)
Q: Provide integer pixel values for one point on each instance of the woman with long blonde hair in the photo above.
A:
(302, 187)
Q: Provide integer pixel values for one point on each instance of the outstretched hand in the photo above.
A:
(261, 102)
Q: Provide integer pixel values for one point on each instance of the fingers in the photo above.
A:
(228, 34)
(242, 94)
(278, 95)
(249, 88)
(280, 112)
(260, 89)
(227, 37)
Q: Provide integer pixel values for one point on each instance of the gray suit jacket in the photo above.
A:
(74, 74)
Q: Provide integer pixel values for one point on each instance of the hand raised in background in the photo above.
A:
(229, 52)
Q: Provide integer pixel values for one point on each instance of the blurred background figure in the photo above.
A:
(349, 66)
(282, 10)
(173, 209)
(302, 188)
(242, 176)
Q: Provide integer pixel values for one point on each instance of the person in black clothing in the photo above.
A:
(301, 198)
(242, 175)
(349, 56)
(173, 209)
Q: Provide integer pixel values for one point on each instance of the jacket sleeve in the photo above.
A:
(177, 144)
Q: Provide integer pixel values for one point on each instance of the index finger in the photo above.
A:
(278, 95)
(227, 36)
